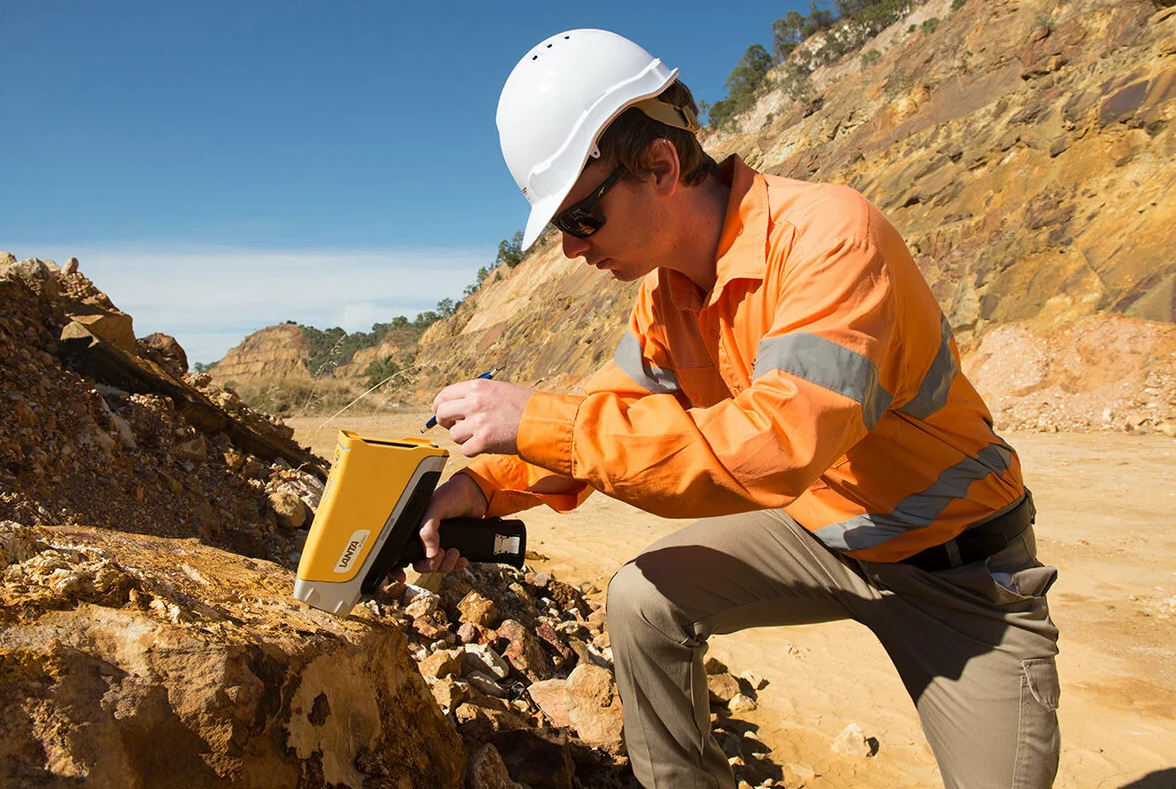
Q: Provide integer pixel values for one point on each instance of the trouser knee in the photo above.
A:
(635, 605)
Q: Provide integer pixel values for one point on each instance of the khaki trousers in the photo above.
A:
(974, 645)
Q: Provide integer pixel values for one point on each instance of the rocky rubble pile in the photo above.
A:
(521, 663)
(105, 430)
(1104, 373)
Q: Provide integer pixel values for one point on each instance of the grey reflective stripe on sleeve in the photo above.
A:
(933, 392)
(828, 365)
(919, 510)
(653, 379)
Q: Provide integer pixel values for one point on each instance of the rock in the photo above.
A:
(552, 638)
(586, 702)
(487, 770)
(468, 632)
(1167, 428)
(164, 351)
(102, 687)
(253, 468)
(523, 651)
(598, 619)
(484, 683)
(714, 666)
(113, 326)
(34, 274)
(740, 703)
(798, 775)
(480, 657)
(126, 434)
(539, 758)
(552, 698)
(289, 508)
(477, 609)
(852, 742)
(429, 630)
(192, 451)
(422, 605)
(443, 663)
(234, 460)
(481, 716)
(568, 597)
(18, 544)
(449, 692)
(723, 687)
(413, 591)
(754, 680)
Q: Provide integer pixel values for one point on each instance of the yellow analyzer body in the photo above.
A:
(369, 518)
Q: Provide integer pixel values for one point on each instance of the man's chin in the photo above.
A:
(622, 275)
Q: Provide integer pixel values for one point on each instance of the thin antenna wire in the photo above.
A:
(405, 371)
(362, 396)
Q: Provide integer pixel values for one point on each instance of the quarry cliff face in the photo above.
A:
(1023, 148)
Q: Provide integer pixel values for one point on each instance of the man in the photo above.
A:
(788, 377)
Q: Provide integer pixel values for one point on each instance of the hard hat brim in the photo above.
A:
(541, 214)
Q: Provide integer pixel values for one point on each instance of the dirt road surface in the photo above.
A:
(1106, 511)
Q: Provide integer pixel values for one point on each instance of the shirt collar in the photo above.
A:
(742, 243)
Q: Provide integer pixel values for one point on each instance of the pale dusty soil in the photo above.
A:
(1106, 507)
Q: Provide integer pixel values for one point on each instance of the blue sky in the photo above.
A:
(218, 167)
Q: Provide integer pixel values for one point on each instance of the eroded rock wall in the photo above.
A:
(134, 661)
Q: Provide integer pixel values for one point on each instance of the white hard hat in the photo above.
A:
(558, 100)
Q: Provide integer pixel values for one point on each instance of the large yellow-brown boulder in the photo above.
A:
(135, 661)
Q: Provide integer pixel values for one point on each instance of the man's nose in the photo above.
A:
(574, 247)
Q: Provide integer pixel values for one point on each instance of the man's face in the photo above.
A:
(624, 244)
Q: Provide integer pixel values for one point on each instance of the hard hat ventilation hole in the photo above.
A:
(549, 46)
(536, 57)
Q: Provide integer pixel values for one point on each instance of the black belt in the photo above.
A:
(979, 541)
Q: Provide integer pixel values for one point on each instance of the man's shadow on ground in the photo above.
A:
(1160, 779)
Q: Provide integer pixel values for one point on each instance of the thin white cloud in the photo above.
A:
(210, 297)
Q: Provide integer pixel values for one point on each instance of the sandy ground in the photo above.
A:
(1106, 505)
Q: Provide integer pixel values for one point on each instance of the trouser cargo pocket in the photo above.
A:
(1037, 744)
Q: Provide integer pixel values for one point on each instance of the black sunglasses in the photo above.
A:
(581, 218)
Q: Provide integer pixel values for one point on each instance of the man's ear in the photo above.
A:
(663, 166)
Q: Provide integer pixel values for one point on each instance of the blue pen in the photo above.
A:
(433, 419)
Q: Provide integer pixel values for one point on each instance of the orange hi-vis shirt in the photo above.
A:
(819, 376)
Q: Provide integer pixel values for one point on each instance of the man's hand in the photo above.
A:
(482, 415)
(460, 497)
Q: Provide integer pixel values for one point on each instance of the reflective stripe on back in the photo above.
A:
(828, 365)
(918, 510)
(653, 379)
(933, 391)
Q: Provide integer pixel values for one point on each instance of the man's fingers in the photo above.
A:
(449, 411)
(452, 392)
(449, 564)
(431, 538)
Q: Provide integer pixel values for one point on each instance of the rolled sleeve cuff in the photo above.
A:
(546, 430)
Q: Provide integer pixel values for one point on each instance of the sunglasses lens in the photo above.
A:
(578, 223)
